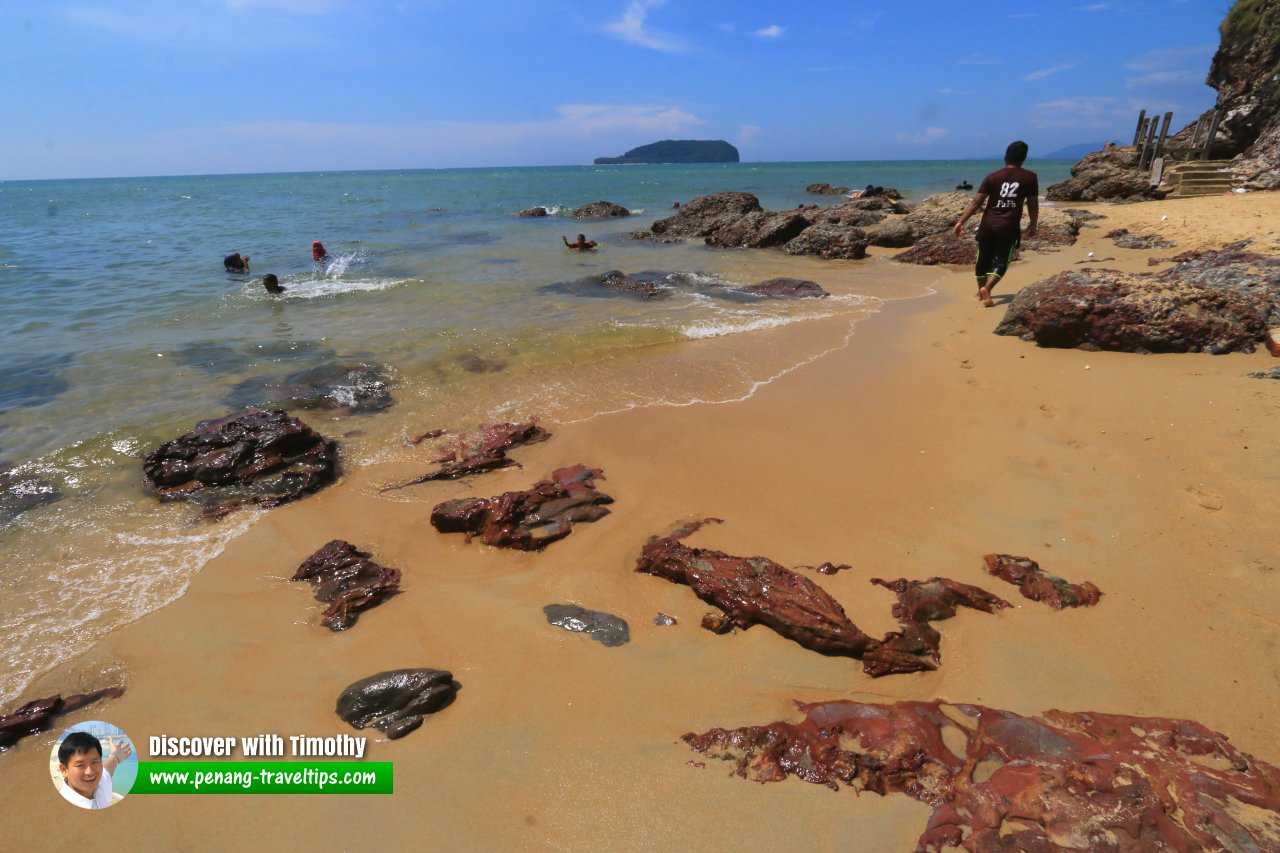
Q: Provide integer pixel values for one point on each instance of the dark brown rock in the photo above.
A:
(829, 241)
(1060, 781)
(259, 457)
(934, 600)
(786, 288)
(38, 715)
(894, 235)
(529, 520)
(1108, 175)
(1125, 239)
(348, 581)
(941, 248)
(477, 452)
(600, 210)
(758, 230)
(707, 214)
(620, 282)
(534, 211)
(348, 388)
(396, 701)
(1026, 574)
(755, 590)
(825, 188)
(1220, 302)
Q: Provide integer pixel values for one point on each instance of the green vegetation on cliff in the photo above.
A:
(677, 151)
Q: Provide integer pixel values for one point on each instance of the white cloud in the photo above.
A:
(772, 31)
(977, 59)
(1094, 7)
(631, 27)
(1042, 73)
(1195, 56)
(1162, 78)
(748, 132)
(1101, 112)
(926, 137)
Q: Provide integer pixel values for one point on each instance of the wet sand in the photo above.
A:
(913, 449)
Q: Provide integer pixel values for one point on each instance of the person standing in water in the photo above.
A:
(234, 262)
(318, 253)
(1005, 191)
(582, 244)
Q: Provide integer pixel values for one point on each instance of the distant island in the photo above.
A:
(676, 151)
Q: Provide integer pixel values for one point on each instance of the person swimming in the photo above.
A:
(272, 284)
(318, 253)
(582, 244)
(234, 262)
(964, 185)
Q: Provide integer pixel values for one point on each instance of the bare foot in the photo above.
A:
(984, 293)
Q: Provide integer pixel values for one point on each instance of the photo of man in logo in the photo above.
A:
(95, 765)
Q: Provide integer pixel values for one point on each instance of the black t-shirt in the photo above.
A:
(1006, 190)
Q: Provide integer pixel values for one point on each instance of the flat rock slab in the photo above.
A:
(1126, 239)
(396, 701)
(787, 288)
(1216, 302)
(485, 449)
(1026, 574)
(529, 520)
(602, 627)
(348, 581)
(257, 457)
(1000, 781)
(38, 715)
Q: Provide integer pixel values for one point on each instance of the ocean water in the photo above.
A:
(122, 330)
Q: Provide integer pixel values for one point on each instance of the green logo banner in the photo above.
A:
(263, 777)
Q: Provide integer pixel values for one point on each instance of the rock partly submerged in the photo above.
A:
(602, 627)
(396, 701)
(1216, 302)
(38, 714)
(258, 457)
(342, 387)
(600, 210)
(997, 780)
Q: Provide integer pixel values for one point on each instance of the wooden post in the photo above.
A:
(1195, 137)
(1164, 132)
(1149, 144)
(1213, 133)
(1137, 134)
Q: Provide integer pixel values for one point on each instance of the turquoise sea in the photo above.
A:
(122, 330)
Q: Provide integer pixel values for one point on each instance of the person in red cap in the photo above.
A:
(318, 253)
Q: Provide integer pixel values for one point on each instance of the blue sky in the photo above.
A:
(161, 87)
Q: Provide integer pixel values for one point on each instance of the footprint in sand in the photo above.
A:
(1207, 498)
(1049, 410)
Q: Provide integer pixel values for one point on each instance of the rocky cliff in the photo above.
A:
(677, 151)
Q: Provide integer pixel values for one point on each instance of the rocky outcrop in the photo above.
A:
(997, 780)
(477, 452)
(786, 288)
(677, 151)
(600, 210)
(941, 248)
(826, 189)
(1219, 302)
(345, 388)
(604, 628)
(534, 212)
(258, 457)
(1026, 574)
(38, 714)
(396, 701)
(828, 241)
(344, 578)
(1108, 175)
(529, 520)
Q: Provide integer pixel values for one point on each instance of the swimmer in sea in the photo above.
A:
(272, 284)
(582, 244)
(235, 262)
(318, 253)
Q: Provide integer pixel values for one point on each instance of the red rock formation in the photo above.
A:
(36, 715)
(529, 520)
(1060, 781)
(1026, 574)
(348, 581)
(484, 450)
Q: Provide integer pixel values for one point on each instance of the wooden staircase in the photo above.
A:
(1198, 177)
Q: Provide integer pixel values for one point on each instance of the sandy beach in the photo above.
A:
(916, 443)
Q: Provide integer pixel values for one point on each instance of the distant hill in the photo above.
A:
(1073, 152)
(677, 151)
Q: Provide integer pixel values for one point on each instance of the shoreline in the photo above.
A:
(912, 449)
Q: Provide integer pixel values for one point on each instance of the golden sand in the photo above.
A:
(913, 449)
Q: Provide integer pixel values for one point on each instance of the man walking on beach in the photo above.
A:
(1005, 191)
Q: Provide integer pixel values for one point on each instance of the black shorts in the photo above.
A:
(994, 254)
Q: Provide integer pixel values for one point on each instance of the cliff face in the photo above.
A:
(1246, 73)
(677, 151)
